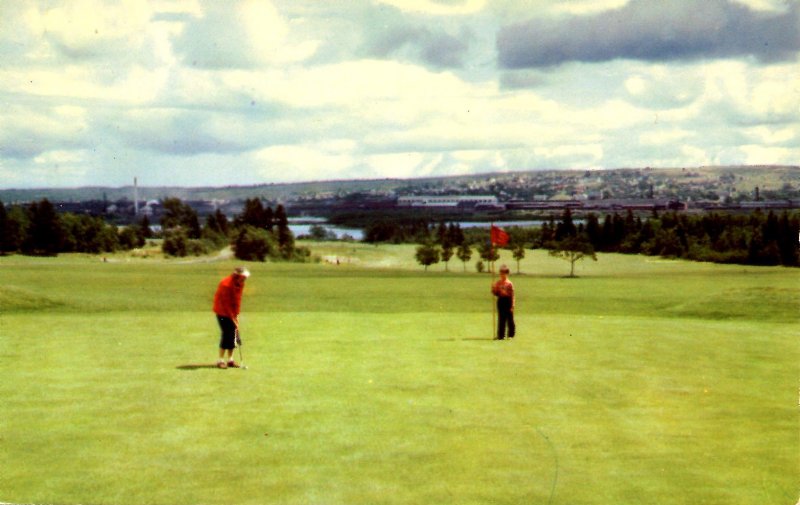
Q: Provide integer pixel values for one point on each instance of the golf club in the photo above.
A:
(239, 345)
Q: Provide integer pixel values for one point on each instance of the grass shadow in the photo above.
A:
(196, 366)
(466, 339)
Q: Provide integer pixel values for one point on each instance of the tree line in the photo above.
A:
(756, 238)
(257, 234)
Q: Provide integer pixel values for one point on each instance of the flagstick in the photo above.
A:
(491, 266)
(494, 312)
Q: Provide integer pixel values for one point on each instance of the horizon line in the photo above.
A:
(377, 179)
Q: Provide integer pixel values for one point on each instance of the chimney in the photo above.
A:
(135, 197)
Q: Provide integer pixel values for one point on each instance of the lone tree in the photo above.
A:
(464, 253)
(446, 254)
(518, 251)
(573, 249)
(428, 254)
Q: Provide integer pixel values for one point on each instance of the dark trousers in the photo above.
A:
(505, 318)
(227, 339)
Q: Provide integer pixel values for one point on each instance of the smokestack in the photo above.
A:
(135, 197)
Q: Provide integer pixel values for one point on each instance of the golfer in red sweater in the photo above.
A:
(227, 302)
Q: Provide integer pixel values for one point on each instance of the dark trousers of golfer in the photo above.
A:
(505, 317)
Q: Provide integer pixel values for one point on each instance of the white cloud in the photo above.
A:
(636, 85)
(59, 158)
(768, 155)
(614, 114)
(583, 154)
(244, 34)
(471, 156)
(776, 94)
(437, 8)
(328, 160)
(766, 5)
(69, 167)
(664, 137)
(178, 6)
(134, 85)
(585, 7)
(400, 165)
(770, 93)
(695, 156)
(358, 83)
(659, 86)
(766, 135)
(92, 27)
(27, 131)
(264, 25)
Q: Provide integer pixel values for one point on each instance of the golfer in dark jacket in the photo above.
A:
(227, 303)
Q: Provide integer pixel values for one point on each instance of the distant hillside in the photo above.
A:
(744, 178)
(274, 192)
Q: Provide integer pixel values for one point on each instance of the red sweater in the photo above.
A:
(228, 298)
(505, 289)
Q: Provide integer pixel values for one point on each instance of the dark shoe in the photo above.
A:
(232, 364)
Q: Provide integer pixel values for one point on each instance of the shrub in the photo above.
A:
(253, 244)
(198, 247)
(176, 243)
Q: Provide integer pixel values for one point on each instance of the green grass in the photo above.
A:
(642, 382)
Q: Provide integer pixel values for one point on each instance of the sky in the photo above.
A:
(217, 93)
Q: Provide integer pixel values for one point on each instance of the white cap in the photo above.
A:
(242, 271)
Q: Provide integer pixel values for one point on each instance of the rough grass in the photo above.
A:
(643, 381)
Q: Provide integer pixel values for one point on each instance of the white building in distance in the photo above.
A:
(446, 201)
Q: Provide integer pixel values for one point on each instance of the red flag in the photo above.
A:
(499, 236)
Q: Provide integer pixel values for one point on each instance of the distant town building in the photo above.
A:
(149, 208)
(446, 201)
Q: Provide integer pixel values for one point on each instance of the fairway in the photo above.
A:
(643, 381)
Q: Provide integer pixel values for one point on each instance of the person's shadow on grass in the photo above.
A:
(465, 339)
(196, 366)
